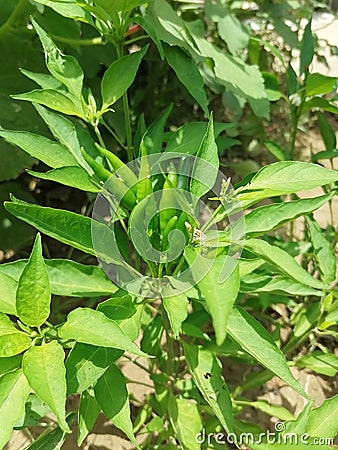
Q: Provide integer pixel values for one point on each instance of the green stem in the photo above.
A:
(211, 219)
(16, 13)
(170, 343)
(151, 269)
(84, 42)
(98, 134)
(128, 127)
(294, 134)
(134, 361)
(112, 132)
(126, 111)
(160, 270)
(139, 38)
(179, 265)
(141, 383)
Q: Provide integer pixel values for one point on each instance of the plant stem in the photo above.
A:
(139, 38)
(86, 42)
(211, 219)
(141, 383)
(151, 269)
(128, 127)
(134, 361)
(126, 111)
(170, 342)
(179, 265)
(17, 11)
(98, 134)
(294, 135)
(112, 132)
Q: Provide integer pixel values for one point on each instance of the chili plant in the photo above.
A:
(175, 271)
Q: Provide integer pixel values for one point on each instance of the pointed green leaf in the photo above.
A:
(67, 9)
(9, 364)
(300, 424)
(219, 294)
(33, 293)
(120, 6)
(188, 138)
(7, 296)
(186, 421)
(64, 68)
(255, 340)
(93, 327)
(328, 135)
(112, 396)
(268, 283)
(119, 77)
(88, 412)
(319, 362)
(286, 177)
(65, 132)
(51, 153)
(273, 410)
(35, 410)
(176, 308)
(67, 278)
(12, 341)
(306, 321)
(206, 371)
(306, 49)
(70, 176)
(46, 374)
(203, 176)
(14, 390)
(85, 364)
(188, 74)
(323, 421)
(281, 260)
(119, 307)
(43, 80)
(277, 151)
(53, 99)
(319, 84)
(241, 79)
(269, 217)
(52, 440)
(131, 326)
(122, 309)
(152, 139)
(233, 33)
(68, 227)
(323, 251)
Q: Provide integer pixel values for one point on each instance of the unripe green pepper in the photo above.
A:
(171, 225)
(99, 171)
(115, 185)
(183, 179)
(168, 198)
(126, 173)
(144, 186)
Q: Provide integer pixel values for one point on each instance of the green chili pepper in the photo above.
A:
(182, 181)
(171, 179)
(125, 172)
(171, 225)
(100, 172)
(144, 186)
(168, 199)
(116, 185)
